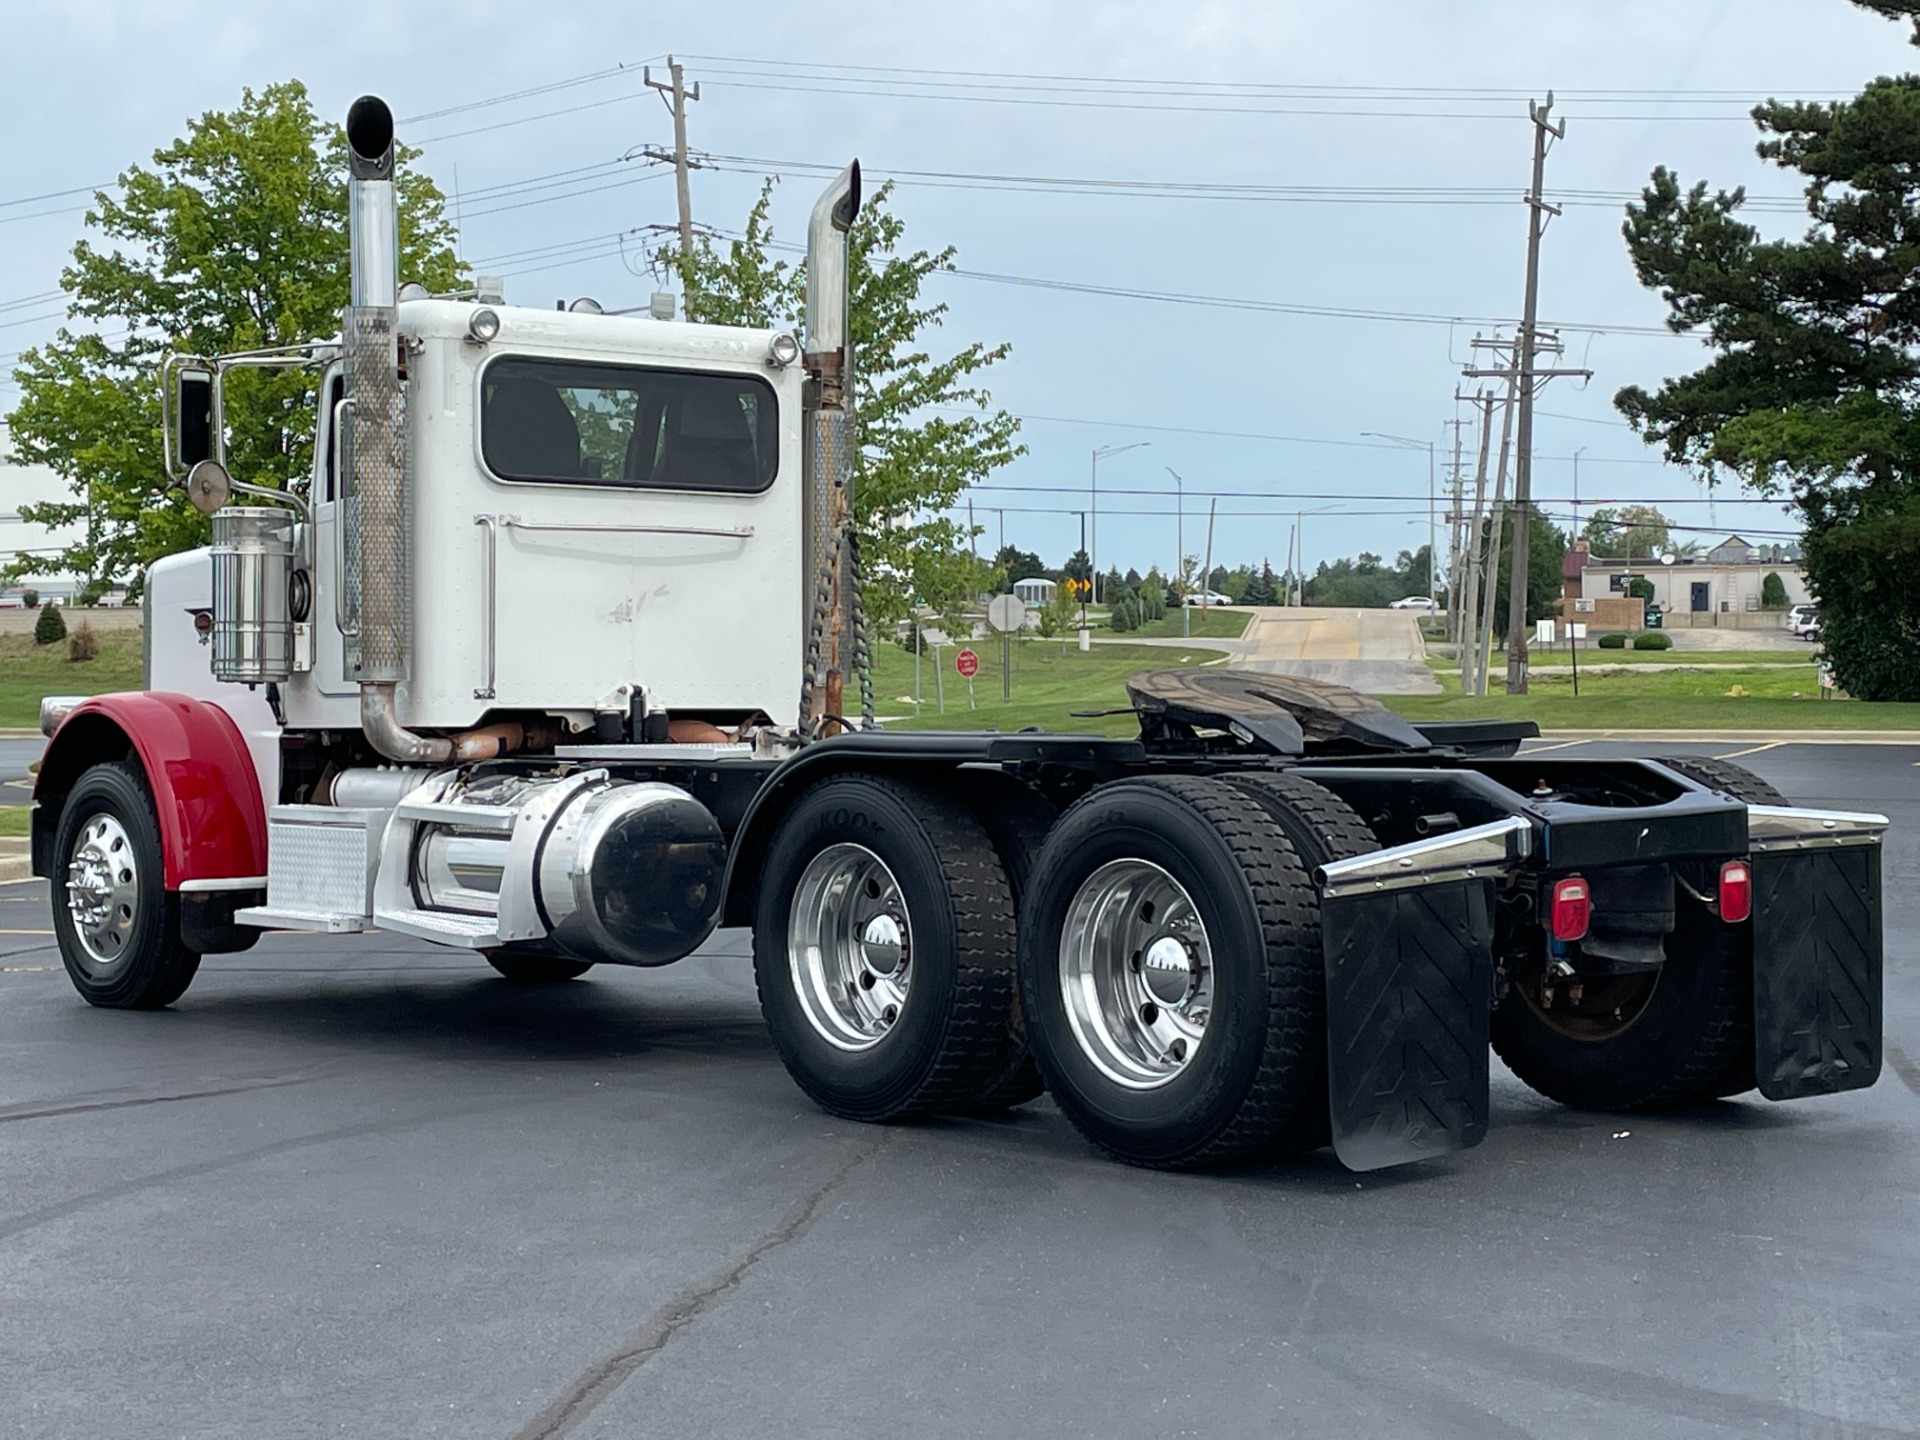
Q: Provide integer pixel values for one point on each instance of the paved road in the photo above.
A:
(362, 1188)
(1378, 652)
(16, 784)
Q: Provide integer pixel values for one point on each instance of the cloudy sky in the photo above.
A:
(1320, 207)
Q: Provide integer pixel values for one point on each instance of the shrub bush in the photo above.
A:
(30, 599)
(1773, 592)
(82, 644)
(1612, 642)
(50, 628)
(1653, 640)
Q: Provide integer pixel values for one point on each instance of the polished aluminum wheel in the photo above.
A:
(850, 946)
(1136, 971)
(103, 888)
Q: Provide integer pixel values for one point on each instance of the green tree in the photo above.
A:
(1060, 614)
(1546, 548)
(1016, 565)
(235, 238)
(916, 458)
(1622, 530)
(1078, 567)
(1263, 589)
(1773, 592)
(1813, 393)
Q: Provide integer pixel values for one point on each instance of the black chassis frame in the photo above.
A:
(1479, 833)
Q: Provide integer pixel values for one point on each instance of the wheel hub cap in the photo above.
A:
(1136, 972)
(103, 888)
(850, 947)
(1167, 967)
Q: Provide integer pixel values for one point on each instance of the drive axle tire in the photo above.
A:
(1323, 828)
(1676, 1036)
(1170, 975)
(1016, 818)
(883, 944)
(537, 969)
(117, 925)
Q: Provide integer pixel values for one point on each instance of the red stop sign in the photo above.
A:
(967, 663)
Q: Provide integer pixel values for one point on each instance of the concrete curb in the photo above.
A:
(15, 867)
(10, 733)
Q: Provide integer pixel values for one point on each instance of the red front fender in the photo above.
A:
(206, 793)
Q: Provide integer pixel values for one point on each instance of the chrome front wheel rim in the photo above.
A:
(1136, 972)
(103, 889)
(850, 947)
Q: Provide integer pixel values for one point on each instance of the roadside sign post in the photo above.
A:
(1575, 631)
(968, 664)
(1006, 613)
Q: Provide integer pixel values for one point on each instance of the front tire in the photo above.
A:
(1169, 975)
(117, 925)
(883, 946)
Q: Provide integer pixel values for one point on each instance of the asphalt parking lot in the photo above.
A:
(363, 1187)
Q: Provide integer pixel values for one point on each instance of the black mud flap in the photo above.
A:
(1409, 997)
(1816, 971)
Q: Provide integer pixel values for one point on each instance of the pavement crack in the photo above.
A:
(49, 1111)
(608, 1374)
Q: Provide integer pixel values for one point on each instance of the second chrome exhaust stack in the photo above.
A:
(377, 525)
(833, 581)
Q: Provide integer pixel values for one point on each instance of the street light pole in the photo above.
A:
(1433, 582)
(1180, 543)
(1093, 496)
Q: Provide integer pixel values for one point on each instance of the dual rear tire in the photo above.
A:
(1169, 974)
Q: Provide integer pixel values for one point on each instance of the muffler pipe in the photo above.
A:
(827, 471)
(375, 521)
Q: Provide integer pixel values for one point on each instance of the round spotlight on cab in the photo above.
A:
(209, 486)
(782, 351)
(586, 305)
(483, 325)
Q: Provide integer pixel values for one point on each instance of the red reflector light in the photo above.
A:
(1572, 908)
(1736, 891)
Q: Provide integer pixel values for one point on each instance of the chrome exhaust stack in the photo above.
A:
(376, 523)
(833, 619)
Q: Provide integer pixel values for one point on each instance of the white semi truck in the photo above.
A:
(557, 657)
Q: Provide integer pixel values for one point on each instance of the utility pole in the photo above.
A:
(677, 89)
(1538, 213)
(1468, 642)
(1100, 453)
(1453, 533)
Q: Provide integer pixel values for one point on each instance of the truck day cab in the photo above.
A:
(555, 661)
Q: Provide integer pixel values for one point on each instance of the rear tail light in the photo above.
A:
(1572, 908)
(1736, 891)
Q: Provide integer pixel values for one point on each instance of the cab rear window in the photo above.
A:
(557, 422)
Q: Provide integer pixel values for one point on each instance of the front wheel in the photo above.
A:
(117, 925)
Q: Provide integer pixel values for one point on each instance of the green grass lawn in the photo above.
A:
(1725, 697)
(13, 821)
(28, 671)
(1049, 681)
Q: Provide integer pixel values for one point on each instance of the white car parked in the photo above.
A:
(1803, 622)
